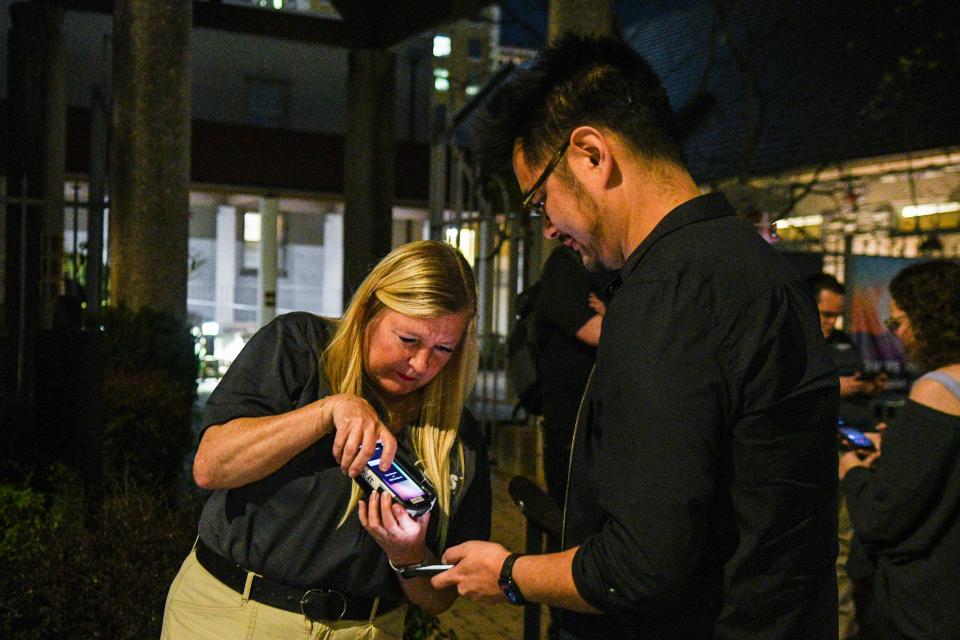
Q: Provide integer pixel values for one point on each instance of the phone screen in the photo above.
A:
(856, 438)
(395, 477)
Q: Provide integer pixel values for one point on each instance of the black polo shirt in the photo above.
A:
(704, 478)
(286, 526)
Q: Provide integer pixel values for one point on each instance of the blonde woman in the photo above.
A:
(288, 546)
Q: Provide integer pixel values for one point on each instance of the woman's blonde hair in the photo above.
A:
(425, 279)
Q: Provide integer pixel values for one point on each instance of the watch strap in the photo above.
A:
(507, 584)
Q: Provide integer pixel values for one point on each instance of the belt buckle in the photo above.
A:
(305, 602)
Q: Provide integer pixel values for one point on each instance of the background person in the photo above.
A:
(570, 318)
(904, 499)
(702, 499)
(856, 388)
(281, 552)
(855, 395)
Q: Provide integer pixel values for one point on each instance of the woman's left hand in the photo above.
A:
(852, 459)
(402, 537)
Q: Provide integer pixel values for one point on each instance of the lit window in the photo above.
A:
(441, 45)
(465, 240)
(251, 227)
(250, 249)
(473, 85)
(441, 79)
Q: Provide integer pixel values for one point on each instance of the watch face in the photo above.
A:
(511, 592)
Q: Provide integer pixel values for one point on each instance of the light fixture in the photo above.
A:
(917, 210)
(800, 221)
(210, 328)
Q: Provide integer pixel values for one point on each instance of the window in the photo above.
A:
(267, 102)
(250, 251)
(441, 46)
(475, 49)
(441, 79)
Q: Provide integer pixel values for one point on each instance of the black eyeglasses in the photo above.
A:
(894, 322)
(537, 208)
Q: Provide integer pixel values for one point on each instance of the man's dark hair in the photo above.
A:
(825, 282)
(575, 81)
(929, 293)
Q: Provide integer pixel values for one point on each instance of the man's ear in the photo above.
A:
(590, 157)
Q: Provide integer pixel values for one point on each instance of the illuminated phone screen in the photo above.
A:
(856, 437)
(403, 486)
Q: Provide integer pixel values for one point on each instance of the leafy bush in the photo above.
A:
(149, 389)
(109, 580)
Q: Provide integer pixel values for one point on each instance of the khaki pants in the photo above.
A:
(846, 610)
(200, 607)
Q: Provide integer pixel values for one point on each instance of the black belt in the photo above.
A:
(316, 604)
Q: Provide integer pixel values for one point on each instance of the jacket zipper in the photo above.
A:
(573, 444)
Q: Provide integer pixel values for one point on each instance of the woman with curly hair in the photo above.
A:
(904, 499)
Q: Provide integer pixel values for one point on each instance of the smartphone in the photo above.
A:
(855, 439)
(424, 570)
(402, 479)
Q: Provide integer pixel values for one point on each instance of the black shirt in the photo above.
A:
(905, 510)
(284, 526)
(704, 480)
(854, 410)
(562, 309)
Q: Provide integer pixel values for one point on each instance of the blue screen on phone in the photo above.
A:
(403, 486)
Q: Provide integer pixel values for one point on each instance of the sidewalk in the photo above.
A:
(516, 453)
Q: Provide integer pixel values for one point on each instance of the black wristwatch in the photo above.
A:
(507, 585)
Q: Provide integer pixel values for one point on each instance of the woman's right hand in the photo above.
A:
(358, 429)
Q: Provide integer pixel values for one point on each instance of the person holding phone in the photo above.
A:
(904, 497)
(289, 545)
(702, 499)
(857, 386)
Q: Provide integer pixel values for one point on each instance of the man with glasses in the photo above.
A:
(856, 387)
(702, 496)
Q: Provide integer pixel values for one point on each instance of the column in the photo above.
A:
(268, 260)
(150, 155)
(99, 115)
(333, 303)
(36, 122)
(225, 289)
(369, 163)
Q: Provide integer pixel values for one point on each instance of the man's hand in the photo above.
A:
(476, 570)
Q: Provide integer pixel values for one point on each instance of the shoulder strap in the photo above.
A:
(952, 385)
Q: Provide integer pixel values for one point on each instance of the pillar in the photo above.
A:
(150, 155)
(268, 260)
(99, 121)
(369, 163)
(225, 273)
